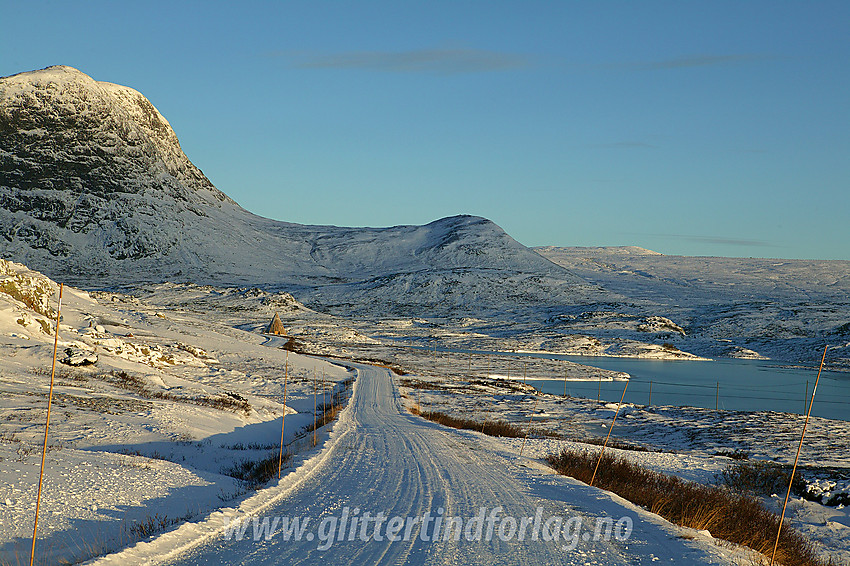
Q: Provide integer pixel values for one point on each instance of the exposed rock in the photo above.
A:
(77, 357)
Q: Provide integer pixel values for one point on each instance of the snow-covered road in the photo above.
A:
(406, 477)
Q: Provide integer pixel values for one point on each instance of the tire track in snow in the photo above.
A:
(390, 461)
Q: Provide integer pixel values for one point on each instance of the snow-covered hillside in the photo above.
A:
(729, 307)
(176, 395)
(157, 416)
(95, 190)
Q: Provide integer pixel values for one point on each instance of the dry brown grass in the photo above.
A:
(492, 428)
(614, 443)
(254, 474)
(736, 517)
(762, 478)
(151, 525)
(424, 385)
(325, 414)
(225, 401)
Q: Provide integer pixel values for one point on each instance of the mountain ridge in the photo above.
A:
(95, 190)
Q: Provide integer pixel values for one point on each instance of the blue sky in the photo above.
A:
(696, 128)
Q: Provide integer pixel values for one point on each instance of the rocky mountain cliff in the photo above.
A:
(96, 191)
(90, 169)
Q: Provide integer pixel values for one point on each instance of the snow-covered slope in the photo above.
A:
(151, 436)
(644, 274)
(95, 190)
(737, 307)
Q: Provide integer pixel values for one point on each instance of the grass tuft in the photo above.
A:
(736, 454)
(226, 401)
(255, 474)
(492, 428)
(737, 517)
(614, 443)
(151, 525)
(761, 478)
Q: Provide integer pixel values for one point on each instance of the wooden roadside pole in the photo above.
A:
(565, 382)
(601, 452)
(283, 420)
(530, 418)
(331, 392)
(314, 405)
(436, 373)
(47, 424)
(797, 458)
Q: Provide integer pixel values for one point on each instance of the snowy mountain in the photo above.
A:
(730, 307)
(95, 190)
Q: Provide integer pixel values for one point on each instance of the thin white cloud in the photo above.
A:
(434, 61)
(718, 240)
(625, 145)
(692, 61)
(698, 61)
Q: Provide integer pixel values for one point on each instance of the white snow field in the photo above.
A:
(136, 453)
(154, 432)
(782, 309)
(384, 463)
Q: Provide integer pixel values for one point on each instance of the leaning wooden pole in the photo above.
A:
(617, 412)
(797, 458)
(530, 418)
(283, 420)
(47, 425)
(565, 382)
